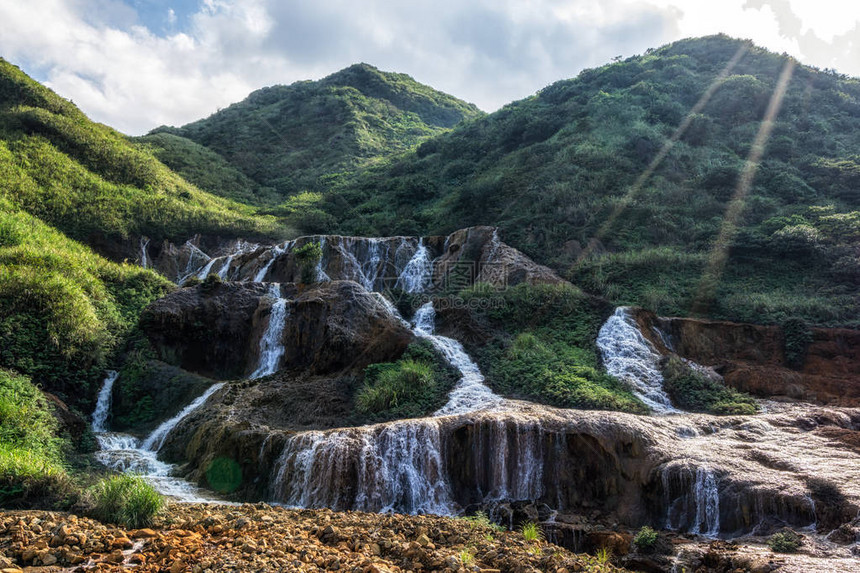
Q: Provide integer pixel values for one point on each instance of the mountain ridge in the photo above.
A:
(349, 119)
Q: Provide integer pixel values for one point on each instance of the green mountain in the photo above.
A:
(601, 160)
(290, 139)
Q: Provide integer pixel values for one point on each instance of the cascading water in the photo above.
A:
(321, 274)
(396, 466)
(196, 259)
(629, 356)
(204, 272)
(144, 260)
(156, 439)
(387, 467)
(707, 503)
(271, 346)
(470, 394)
(277, 251)
(415, 277)
(100, 414)
(696, 502)
(124, 453)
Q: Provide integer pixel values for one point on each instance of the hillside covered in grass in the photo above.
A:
(622, 179)
(301, 137)
(70, 189)
(92, 183)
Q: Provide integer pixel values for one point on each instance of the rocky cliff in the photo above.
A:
(475, 254)
(215, 329)
(752, 358)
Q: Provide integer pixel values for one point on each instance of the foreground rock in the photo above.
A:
(201, 538)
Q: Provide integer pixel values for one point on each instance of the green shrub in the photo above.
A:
(415, 385)
(531, 531)
(308, 255)
(394, 384)
(645, 540)
(481, 519)
(467, 557)
(31, 454)
(210, 283)
(695, 392)
(786, 541)
(796, 337)
(127, 500)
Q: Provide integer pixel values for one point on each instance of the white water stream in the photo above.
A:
(125, 453)
(629, 356)
(271, 346)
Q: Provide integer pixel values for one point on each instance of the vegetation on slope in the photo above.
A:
(416, 385)
(31, 456)
(544, 347)
(63, 309)
(91, 183)
(301, 137)
(204, 168)
(558, 170)
(693, 391)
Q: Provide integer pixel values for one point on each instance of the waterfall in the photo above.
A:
(415, 277)
(144, 243)
(222, 273)
(156, 439)
(374, 263)
(321, 274)
(100, 414)
(693, 499)
(191, 266)
(387, 467)
(404, 467)
(277, 251)
(517, 471)
(707, 503)
(470, 394)
(123, 453)
(204, 272)
(271, 346)
(629, 356)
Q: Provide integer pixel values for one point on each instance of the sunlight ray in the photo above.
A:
(664, 151)
(720, 250)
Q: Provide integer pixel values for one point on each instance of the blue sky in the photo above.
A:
(137, 64)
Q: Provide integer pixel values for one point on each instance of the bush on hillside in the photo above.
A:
(415, 385)
(695, 392)
(31, 455)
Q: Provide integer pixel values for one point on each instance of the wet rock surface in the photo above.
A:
(215, 329)
(204, 538)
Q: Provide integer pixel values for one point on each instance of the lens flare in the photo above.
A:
(664, 151)
(720, 251)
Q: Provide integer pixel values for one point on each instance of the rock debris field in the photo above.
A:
(201, 538)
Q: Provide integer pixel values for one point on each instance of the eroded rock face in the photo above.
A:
(215, 329)
(693, 473)
(751, 357)
(475, 254)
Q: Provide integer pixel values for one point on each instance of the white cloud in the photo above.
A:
(489, 52)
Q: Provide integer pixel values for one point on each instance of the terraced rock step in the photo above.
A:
(204, 538)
